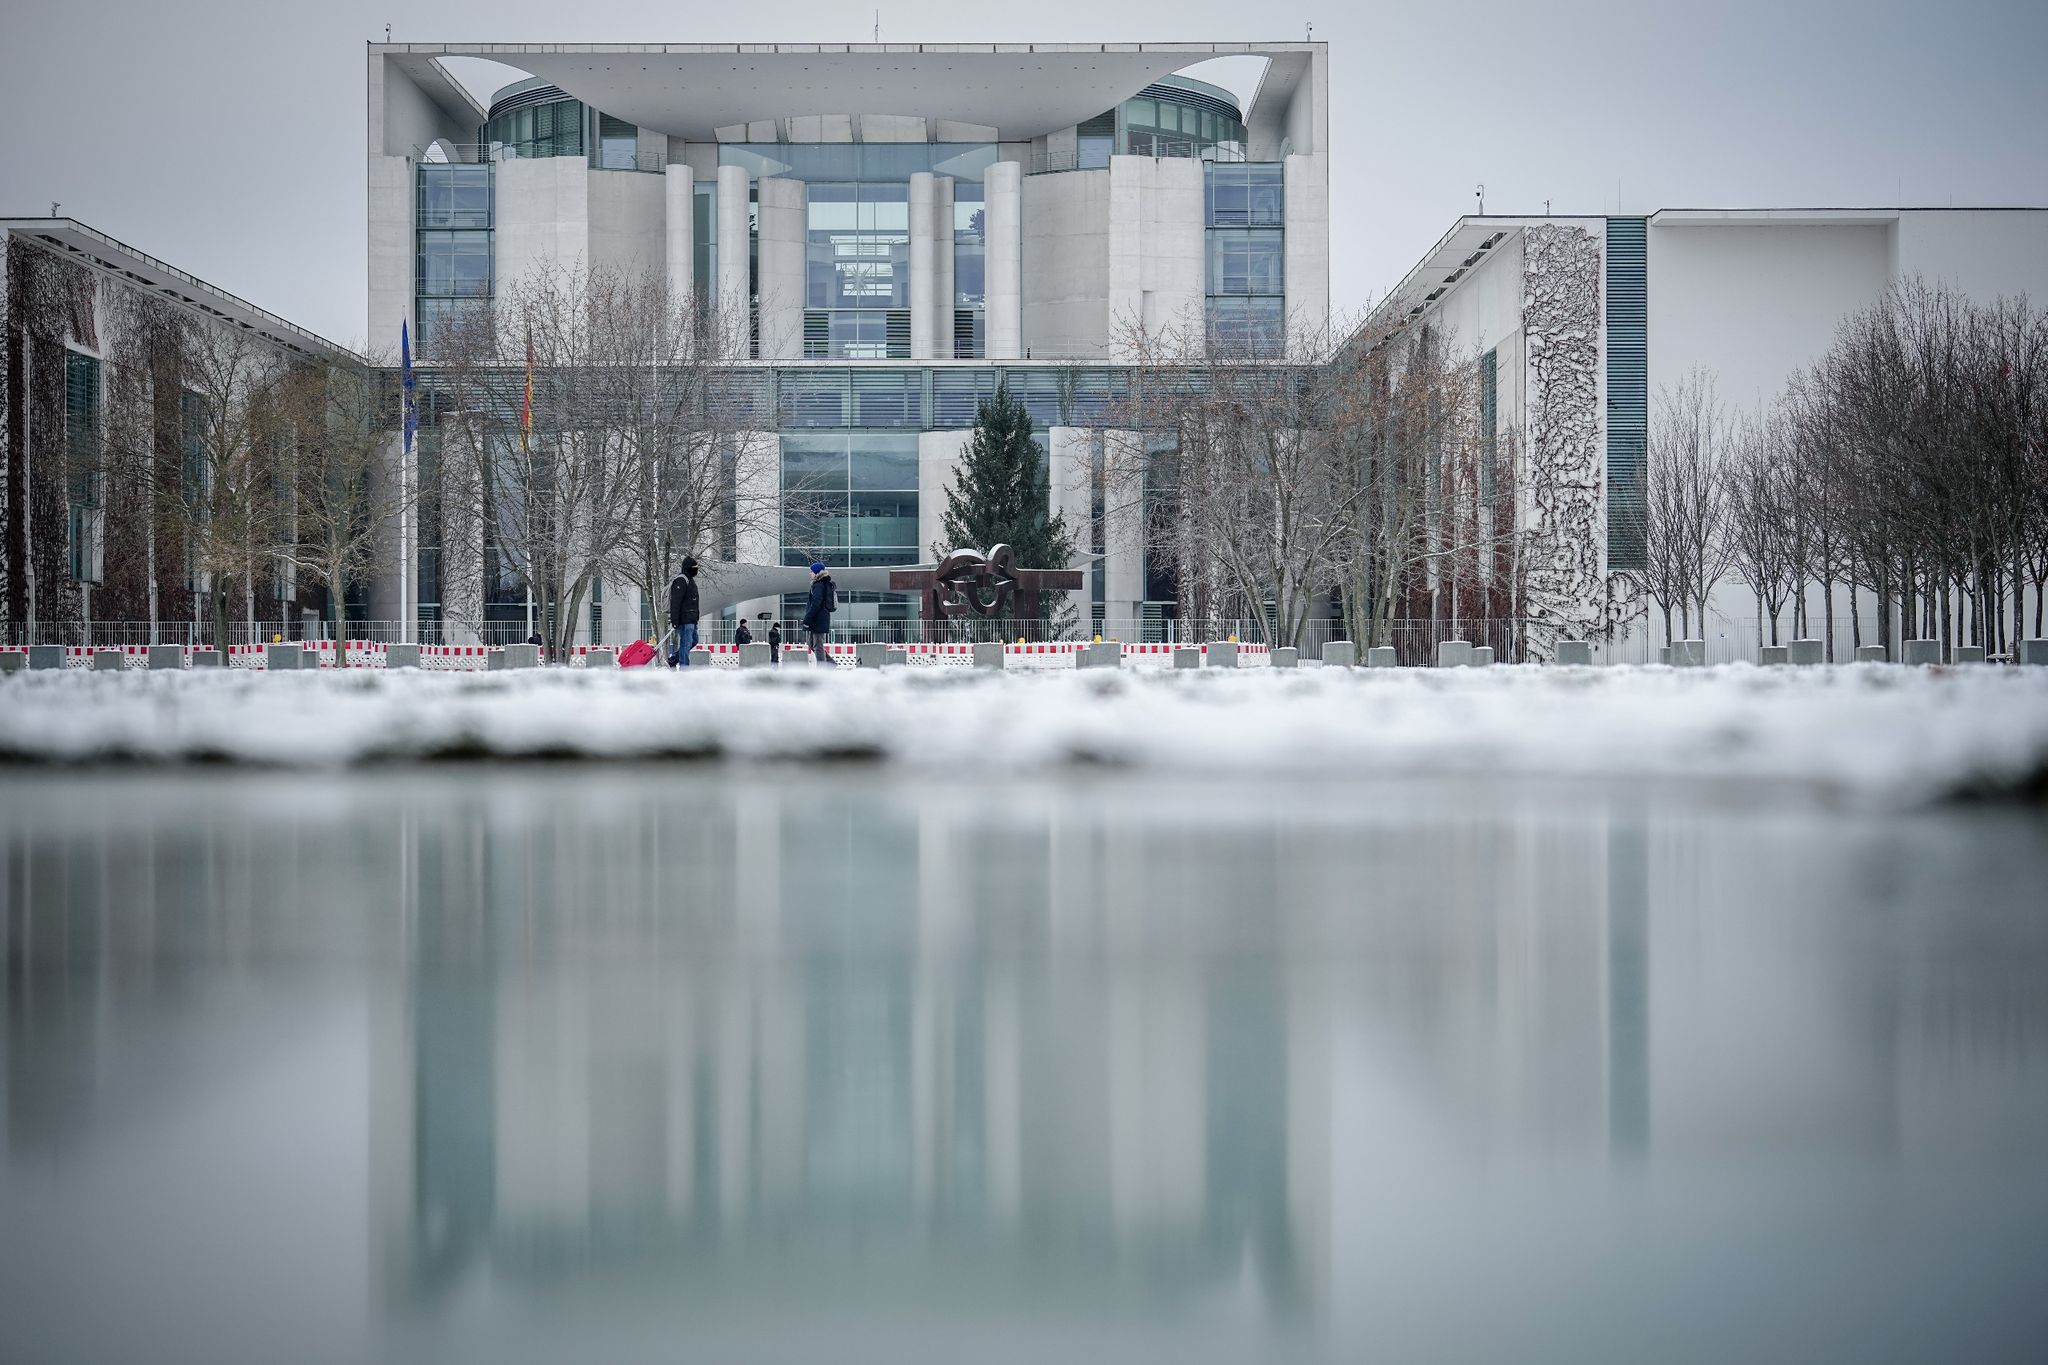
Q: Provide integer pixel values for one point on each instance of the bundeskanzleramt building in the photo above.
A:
(900, 227)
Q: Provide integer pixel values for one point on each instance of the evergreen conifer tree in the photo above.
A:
(1001, 497)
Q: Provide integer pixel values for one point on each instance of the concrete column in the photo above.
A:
(680, 188)
(1306, 248)
(1070, 466)
(393, 251)
(1003, 259)
(757, 510)
(942, 267)
(1123, 539)
(923, 266)
(938, 464)
(733, 251)
(782, 230)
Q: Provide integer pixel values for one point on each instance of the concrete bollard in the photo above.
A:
(494, 659)
(277, 658)
(522, 656)
(166, 656)
(1221, 654)
(401, 656)
(1454, 654)
(1287, 656)
(1383, 656)
(988, 654)
(45, 656)
(1108, 654)
(606, 658)
(1967, 654)
(870, 654)
(896, 658)
(1774, 656)
(1688, 653)
(758, 654)
(1922, 652)
(1187, 656)
(1870, 654)
(1664, 655)
(1339, 654)
(1575, 651)
(2033, 653)
(1806, 653)
(108, 661)
(12, 661)
(700, 657)
(207, 658)
(1482, 656)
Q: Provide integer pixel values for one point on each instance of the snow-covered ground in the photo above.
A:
(1885, 733)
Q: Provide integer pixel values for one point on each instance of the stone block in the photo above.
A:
(208, 658)
(1339, 654)
(1774, 656)
(401, 656)
(700, 657)
(1575, 651)
(1454, 654)
(513, 656)
(759, 654)
(1664, 655)
(1187, 656)
(870, 654)
(896, 658)
(1482, 656)
(988, 654)
(1870, 654)
(46, 656)
(1221, 654)
(1806, 653)
(1108, 654)
(12, 661)
(1967, 654)
(166, 657)
(605, 658)
(108, 661)
(2033, 653)
(278, 657)
(1382, 656)
(1688, 653)
(1287, 656)
(1922, 651)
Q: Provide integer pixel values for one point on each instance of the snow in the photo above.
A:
(1882, 732)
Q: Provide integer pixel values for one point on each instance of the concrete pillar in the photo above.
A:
(1688, 653)
(165, 657)
(924, 273)
(109, 661)
(1286, 656)
(733, 247)
(1187, 656)
(1070, 476)
(1773, 656)
(759, 654)
(285, 657)
(680, 206)
(1222, 654)
(1482, 656)
(1870, 654)
(1922, 652)
(1382, 656)
(2033, 652)
(1339, 654)
(1806, 652)
(757, 511)
(1453, 653)
(938, 465)
(1575, 651)
(45, 656)
(781, 233)
(988, 654)
(1002, 189)
(870, 654)
(942, 267)
(208, 658)
(1968, 654)
(401, 656)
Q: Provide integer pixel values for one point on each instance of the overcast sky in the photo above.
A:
(227, 138)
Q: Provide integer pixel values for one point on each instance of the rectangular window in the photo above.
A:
(1246, 262)
(455, 264)
(455, 196)
(1247, 194)
(84, 520)
(618, 144)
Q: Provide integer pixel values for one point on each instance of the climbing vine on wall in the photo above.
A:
(1565, 597)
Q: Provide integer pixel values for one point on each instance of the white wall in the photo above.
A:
(1157, 248)
(543, 215)
(392, 246)
(628, 221)
(1307, 248)
(1066, 262)
(938, 464)
(1984, 252)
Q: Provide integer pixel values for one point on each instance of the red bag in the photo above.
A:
(635, 654)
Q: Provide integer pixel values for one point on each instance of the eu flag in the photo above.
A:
(412, 411)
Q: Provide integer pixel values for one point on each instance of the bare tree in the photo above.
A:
(226, 507)
(1760, 501)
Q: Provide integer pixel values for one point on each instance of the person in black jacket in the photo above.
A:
(741, 635)
(775, 642)
(682, 612)
(818, 611)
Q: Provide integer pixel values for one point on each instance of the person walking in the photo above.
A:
(775, 642)
(682, 612)
(818, 611)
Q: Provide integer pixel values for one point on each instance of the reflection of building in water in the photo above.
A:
(979, 1049)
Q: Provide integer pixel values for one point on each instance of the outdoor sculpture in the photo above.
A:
(968, 582)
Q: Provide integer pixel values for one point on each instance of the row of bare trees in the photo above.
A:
(1907, 468)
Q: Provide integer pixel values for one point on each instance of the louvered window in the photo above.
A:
(1628, 389)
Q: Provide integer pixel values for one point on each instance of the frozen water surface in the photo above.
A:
(1148, 1019)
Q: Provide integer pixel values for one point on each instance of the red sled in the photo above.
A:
(635, 654)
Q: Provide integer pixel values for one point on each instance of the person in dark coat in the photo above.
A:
(775, 642)
(682, 612)
(818, 611)
(741, 635)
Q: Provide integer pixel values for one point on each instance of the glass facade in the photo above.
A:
(82, 459)
(849, 497)
(1181, 117)
(454, 269)
(542, 127)
(1247, 275)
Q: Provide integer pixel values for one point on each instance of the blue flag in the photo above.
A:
(412, 411)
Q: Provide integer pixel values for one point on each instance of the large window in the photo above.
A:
(1246, 261)
(849, 498)
(82, 459)
(1183, 117)
(1246, 194)
(549, 126)
(1247, 202)
(454, 195)
(453, 270)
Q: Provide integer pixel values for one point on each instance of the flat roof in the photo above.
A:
(1023, 90)
(95, 250)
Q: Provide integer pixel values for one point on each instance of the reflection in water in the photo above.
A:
(793, 1067)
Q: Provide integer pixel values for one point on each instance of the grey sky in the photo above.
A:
(227, 137)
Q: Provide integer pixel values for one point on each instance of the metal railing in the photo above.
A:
(1042, 162)
(481, 153)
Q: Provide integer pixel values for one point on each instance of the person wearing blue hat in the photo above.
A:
(818, 611)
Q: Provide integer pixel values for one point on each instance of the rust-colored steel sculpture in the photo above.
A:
(970, 583)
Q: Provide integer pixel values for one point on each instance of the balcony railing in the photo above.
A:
(479, 153)
(1042, 162)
